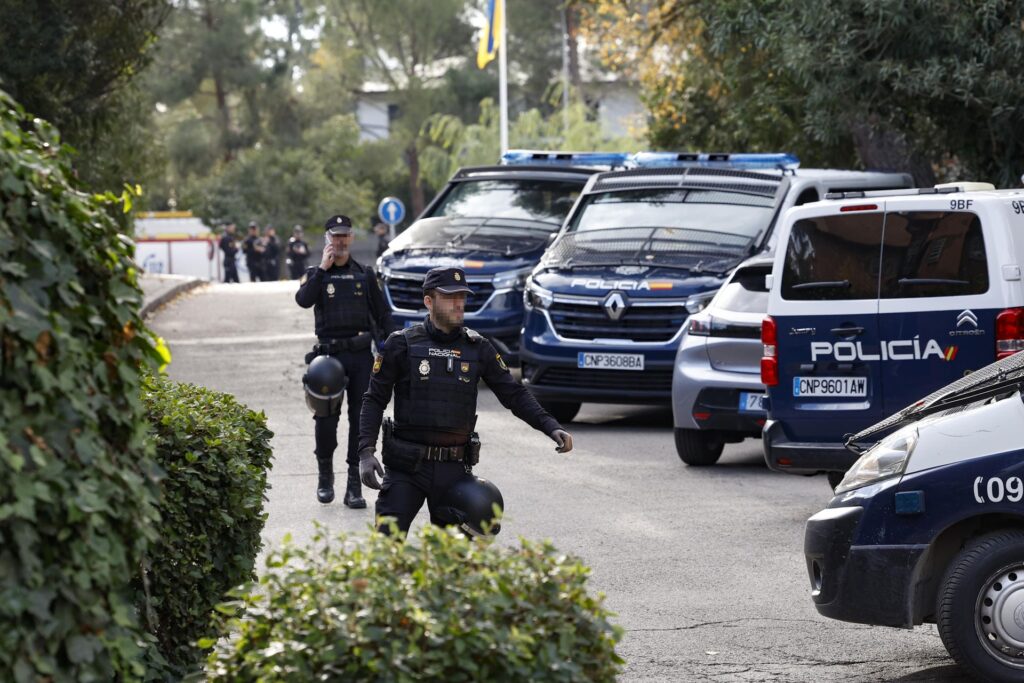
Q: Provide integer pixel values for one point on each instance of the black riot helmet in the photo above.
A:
(469, 505)
(324, 383)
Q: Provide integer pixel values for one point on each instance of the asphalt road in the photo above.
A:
(703, 567)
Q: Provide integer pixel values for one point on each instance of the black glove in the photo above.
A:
(370, 468)
(563, 439)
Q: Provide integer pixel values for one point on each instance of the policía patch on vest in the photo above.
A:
(424, 367)
(501, 361)
(445, 353)
(377, 362)
(464, 367)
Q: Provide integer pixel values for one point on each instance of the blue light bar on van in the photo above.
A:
(714, 160)
(527, 156)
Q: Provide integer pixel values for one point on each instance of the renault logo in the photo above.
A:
(615, 304)
(967, 318)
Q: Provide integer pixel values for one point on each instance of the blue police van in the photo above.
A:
(878, 298)
(641, 251)
(928, 524)
(494, 222)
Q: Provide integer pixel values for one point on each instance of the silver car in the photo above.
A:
(717, 395)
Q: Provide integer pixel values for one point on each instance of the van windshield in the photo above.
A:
(499, 235)
(536, 200)
(732, 213)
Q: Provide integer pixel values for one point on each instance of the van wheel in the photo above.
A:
(834, 478)
(981, 607)
(563, 411)
(698, 448)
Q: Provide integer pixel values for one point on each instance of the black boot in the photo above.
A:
(325, 482)
(353, 491)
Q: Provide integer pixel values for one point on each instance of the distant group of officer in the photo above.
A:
(432, 369)
(262, 253)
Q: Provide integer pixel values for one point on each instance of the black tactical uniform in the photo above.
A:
(349, 312)
(298, 252)
(271, 258)
(230, 249)
(253, 256)
(434, 377)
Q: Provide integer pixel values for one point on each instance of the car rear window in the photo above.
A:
(833, 258)
(933, 253)
(745, 292)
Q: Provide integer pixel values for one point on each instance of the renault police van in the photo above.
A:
(494, 222)
(876, 300)
(641, 251)
(928, 524)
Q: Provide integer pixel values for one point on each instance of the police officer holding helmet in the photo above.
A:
(349, 312)
(433, 368)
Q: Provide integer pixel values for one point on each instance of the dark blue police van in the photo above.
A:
(928, 524)
(642, 250)
(494, 222)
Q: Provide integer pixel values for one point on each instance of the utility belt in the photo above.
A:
(326, 346)
(406, 456)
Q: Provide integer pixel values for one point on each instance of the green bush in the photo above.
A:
(77, 491)
(442, 607)
(215, 453)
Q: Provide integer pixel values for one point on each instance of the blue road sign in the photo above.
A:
(391, 210)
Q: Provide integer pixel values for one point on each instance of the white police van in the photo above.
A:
(878, 298)
(928, 524)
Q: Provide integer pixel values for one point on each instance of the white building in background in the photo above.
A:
(616, 103)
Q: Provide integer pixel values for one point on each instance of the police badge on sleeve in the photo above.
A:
(377, 362)
(501, 362)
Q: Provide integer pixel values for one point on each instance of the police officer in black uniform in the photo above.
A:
(230, 249)
(350, 311)
(298, 252)
(433, 368)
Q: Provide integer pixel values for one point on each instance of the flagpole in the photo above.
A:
(503, 79)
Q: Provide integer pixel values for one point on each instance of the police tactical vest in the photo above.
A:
(343, 309)
(442, 384)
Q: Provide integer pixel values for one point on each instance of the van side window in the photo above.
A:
(833, 258)
(933, 253)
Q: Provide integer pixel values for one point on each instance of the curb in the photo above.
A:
(182, 284)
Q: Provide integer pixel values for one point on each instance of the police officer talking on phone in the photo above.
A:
(433, 368)
(349, 311)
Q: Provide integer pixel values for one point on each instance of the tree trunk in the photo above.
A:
(883, 149)
(412, 157)
(571, 30)
(224, 113)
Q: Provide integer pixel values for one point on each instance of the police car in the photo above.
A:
(494, 222)
(642, 250)
(717, 395)
(928, 524)
(879, 298)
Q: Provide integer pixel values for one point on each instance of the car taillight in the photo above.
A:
(769, 360)
(1009, 332)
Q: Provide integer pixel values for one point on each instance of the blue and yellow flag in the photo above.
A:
(490, 38)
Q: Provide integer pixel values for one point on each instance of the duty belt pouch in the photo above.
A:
(399, 455)
(473, 450)
(311, 356)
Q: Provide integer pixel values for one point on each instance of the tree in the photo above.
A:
(73, 63)
(404, 44)
(914, 85)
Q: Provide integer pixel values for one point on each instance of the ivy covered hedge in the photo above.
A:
(77, 486)
(215, 454)
(440, 607)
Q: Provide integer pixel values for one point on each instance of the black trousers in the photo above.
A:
(230, 271)
(358, 365)
(402, 494)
